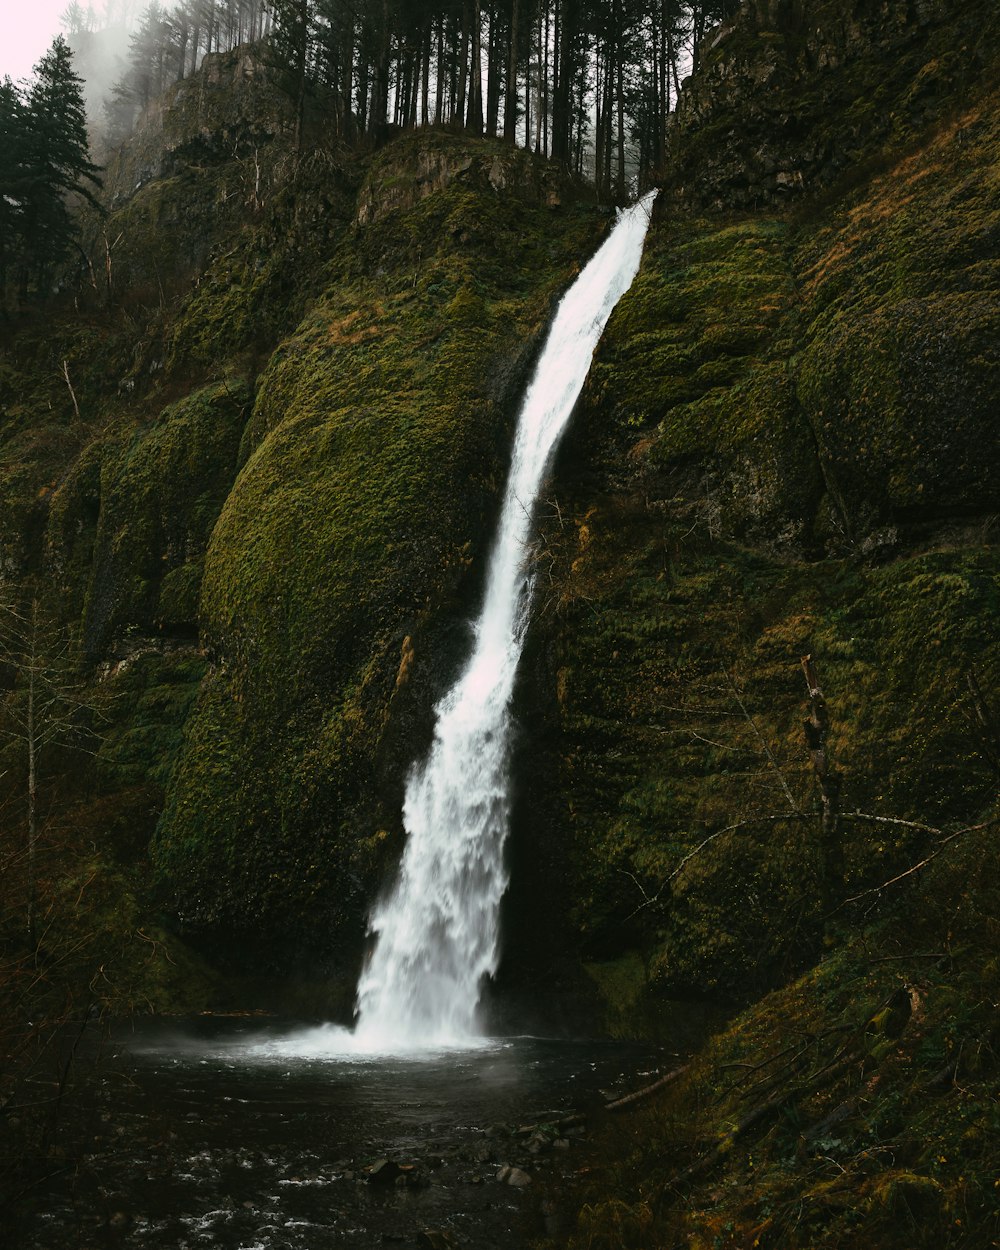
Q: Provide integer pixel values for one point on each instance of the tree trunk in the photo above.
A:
(463, 67)
(621, 127)
(347, 81)
(539, 79)
(510, 95)
(474, 120)
(545, 84)
(378, 119)
(816, 729)
(439, 89)
(562, 101)
(425, 83)
(527, 99)
(492, 76)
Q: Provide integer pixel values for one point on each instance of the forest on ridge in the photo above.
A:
(589, 83)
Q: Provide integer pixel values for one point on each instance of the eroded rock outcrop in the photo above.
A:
(414, 168)
(791, 95)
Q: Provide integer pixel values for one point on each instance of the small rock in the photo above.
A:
(504, 1172)
(518, 1178)
(383, 1172)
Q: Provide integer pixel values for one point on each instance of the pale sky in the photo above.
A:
(27, 27)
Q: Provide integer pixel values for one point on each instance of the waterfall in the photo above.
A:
(437, 931)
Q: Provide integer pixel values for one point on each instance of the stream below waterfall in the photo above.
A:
(226, 1132)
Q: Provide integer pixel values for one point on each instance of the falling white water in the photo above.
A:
(437, 932)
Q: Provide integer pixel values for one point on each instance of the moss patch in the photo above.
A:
(372, 461)
(856, 1107)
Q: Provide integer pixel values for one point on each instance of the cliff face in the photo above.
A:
(787, 446)
(258, 492)
(260, 488)
(339, 568)
(795, 96)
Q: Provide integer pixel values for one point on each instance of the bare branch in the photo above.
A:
(875, 889)
(742, 824)
(72, 393)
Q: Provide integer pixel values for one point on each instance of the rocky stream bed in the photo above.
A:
(239, 1134)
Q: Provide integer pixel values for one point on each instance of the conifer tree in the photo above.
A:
(291, 42)
(590, 83)
(13, 181)
(56, 158)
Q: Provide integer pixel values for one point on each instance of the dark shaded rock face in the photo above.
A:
(411, 170)
(793, 96)
(787, 446)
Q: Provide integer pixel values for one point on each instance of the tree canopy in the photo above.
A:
(588, 82)
(44, 160)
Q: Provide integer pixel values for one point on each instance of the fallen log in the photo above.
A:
(645, 1092)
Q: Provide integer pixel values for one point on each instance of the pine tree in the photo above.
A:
(292, 38)
(13, 181)
(56, 159)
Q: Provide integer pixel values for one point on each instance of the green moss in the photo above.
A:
(902, 294)
(41, 432)
(372, 461)
(622, 986)
(152, 693)
(159, 491)
(696, 360)
(855, 1107)
(681, 702)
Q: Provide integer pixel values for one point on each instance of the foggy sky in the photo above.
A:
(27, 28)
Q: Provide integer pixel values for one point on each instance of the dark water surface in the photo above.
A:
(226, 1133)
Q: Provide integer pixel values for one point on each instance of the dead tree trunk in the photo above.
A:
(817, 728)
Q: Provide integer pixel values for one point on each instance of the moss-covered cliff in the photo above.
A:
(254, 476)
(788, 447)
(257, 474)
(338, 572)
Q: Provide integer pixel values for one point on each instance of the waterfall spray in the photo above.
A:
(437, 931)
